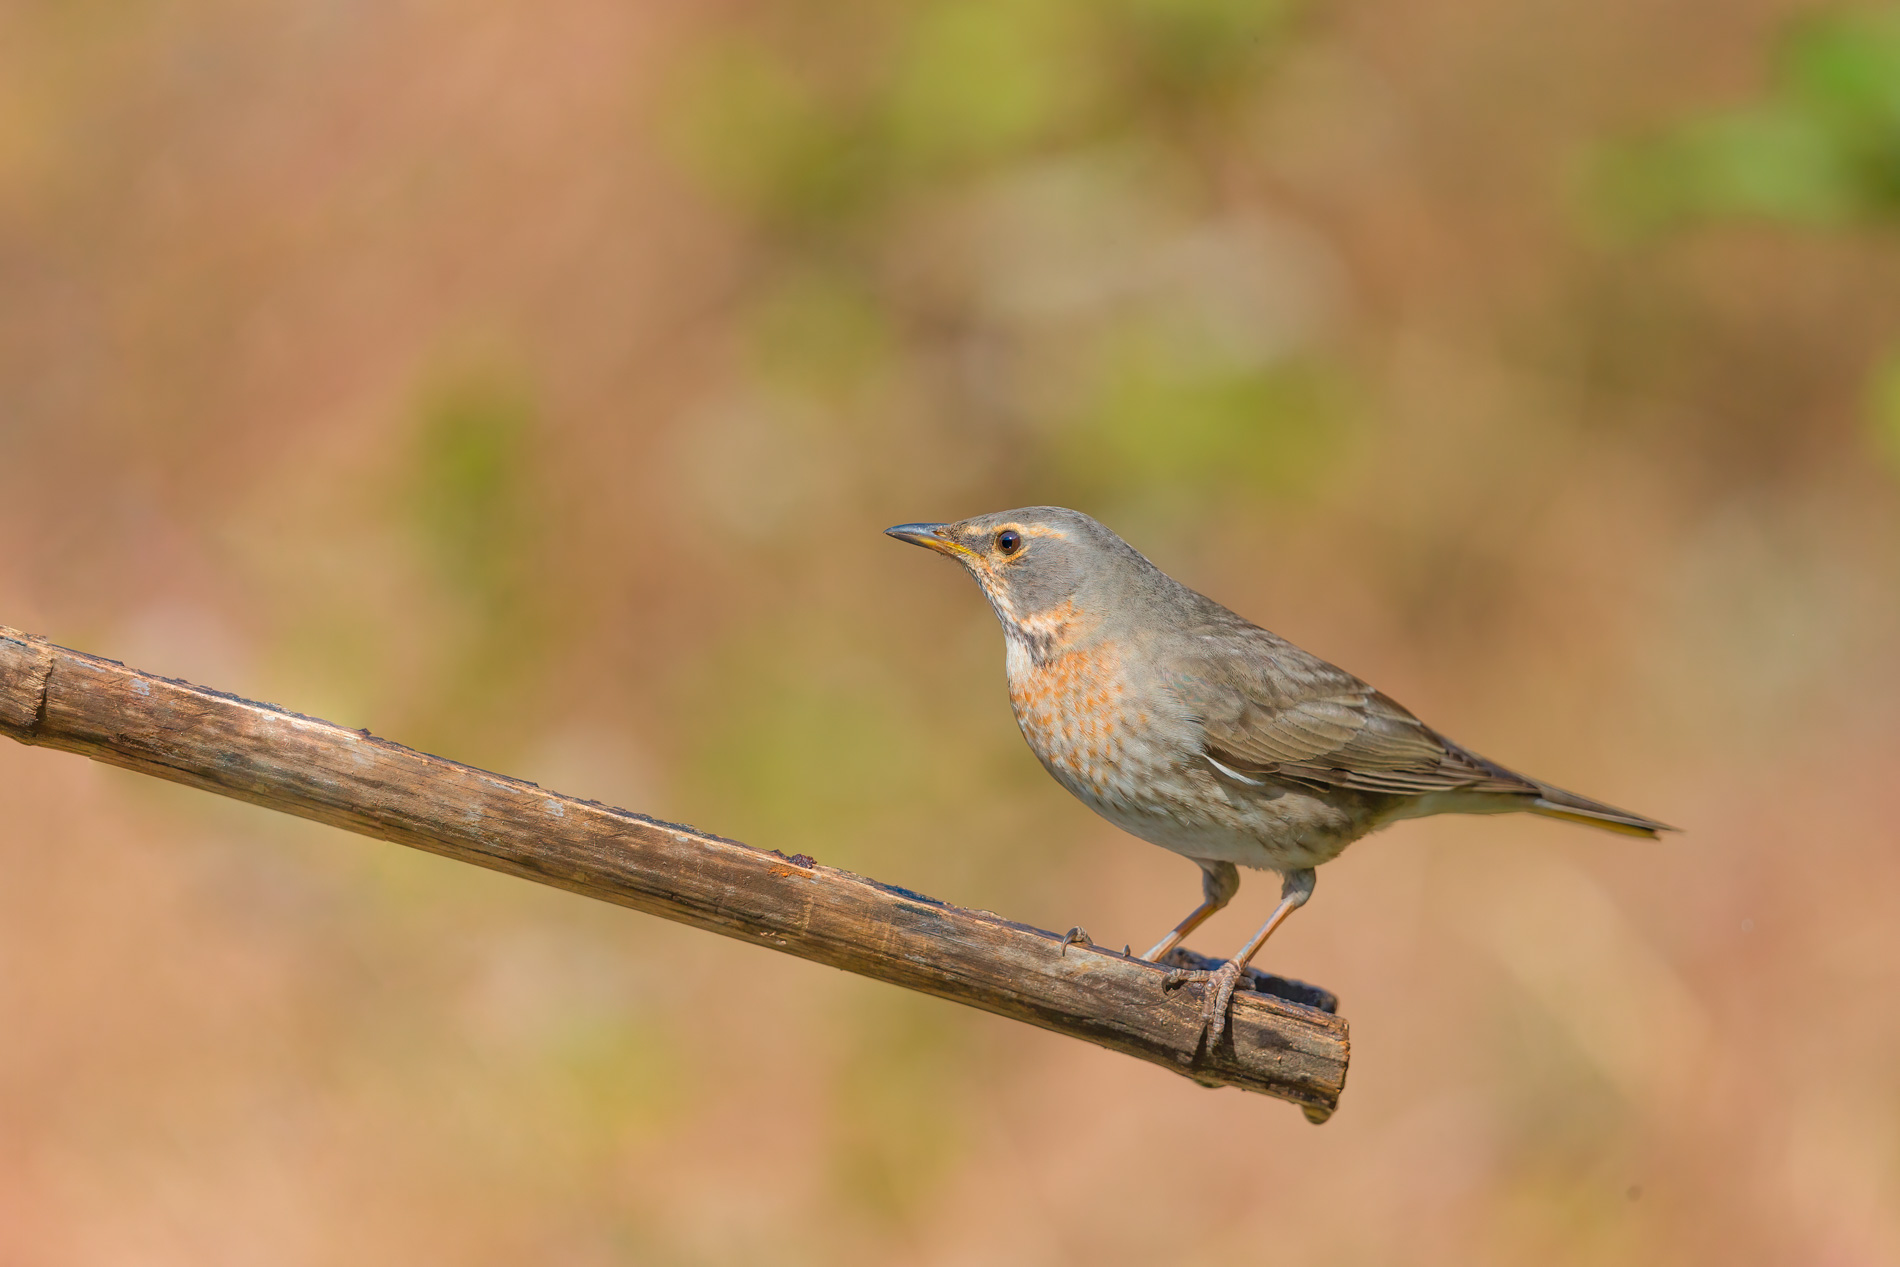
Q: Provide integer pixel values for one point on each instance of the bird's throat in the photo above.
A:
(1040, 637)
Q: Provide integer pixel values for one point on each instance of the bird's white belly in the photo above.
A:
(1119, 758)
(1290, 831)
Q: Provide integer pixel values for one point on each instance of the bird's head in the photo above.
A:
(1037, 565)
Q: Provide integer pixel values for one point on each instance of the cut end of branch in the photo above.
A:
(26, 667)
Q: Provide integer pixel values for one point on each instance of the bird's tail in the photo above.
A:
(1554, 802)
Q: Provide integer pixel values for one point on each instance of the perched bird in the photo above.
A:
(1194, 729)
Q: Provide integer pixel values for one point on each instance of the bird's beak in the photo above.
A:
(929, 536)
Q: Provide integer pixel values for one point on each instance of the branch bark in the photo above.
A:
(63, 699)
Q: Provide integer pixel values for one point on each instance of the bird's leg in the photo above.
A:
(1219, 882)
(1077, 936)
(1221, 982)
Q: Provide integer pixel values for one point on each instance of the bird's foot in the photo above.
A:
(1217, 995)
(1077, 936)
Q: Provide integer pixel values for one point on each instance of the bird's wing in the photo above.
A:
(1269, 708)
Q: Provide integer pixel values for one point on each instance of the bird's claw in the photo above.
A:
(1077, 936)
(1217, 997)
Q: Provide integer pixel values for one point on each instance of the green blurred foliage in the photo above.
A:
(1883, 411)
(1196, 55)
(978, 82)
(1821, 148)
(807, 743)
(846, 162)
(1163, 419)
(814, 143)
(470, 491)
(899, 1098)
(476, 502)
(820, 331)
(1820, 151)
(760, 134)
(615, 1078)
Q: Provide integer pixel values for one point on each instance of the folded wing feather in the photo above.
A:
(1270, 709)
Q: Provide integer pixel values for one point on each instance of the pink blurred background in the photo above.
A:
(530, 383)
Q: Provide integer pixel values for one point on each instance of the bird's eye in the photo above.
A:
(1009, 541)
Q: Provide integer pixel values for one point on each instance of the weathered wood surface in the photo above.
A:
(64, 699)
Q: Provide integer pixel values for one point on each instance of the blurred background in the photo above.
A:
(529, 383)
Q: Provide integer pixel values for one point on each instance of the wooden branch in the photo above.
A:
(99, 708)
